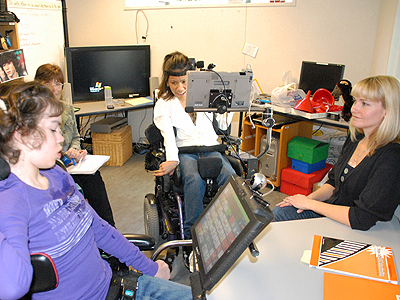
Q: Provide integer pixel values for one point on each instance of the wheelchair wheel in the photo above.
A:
(151, 218)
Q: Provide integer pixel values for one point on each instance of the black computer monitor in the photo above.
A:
(208, 90)
(316, 75)
(125, 68)
(225, 229)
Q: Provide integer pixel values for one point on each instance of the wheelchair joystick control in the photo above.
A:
(258, 181)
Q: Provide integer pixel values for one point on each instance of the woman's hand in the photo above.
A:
(163, 270)
(167, 167)
(299, 201)
(76, 154)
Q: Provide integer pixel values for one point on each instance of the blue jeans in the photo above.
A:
(290, 213)
(150, 288)
(194, 187)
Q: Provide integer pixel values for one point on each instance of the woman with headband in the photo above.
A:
(192, 129)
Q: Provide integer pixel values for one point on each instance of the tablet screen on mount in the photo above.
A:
(208, 89)
(224, 230)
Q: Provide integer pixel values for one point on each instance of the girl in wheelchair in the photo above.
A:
(192, 129)
(42, 211)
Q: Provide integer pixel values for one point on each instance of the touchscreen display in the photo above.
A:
(224, 220)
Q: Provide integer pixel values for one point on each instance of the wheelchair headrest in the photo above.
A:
(4, 169)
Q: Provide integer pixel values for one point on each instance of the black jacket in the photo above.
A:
(372, 189)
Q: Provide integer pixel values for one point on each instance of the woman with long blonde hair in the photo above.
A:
(362, 188)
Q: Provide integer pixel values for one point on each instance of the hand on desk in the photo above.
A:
(299, 201)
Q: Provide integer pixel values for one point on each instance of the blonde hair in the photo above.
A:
(385, 90)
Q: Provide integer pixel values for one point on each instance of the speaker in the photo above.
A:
(269, 161)
(153, 81)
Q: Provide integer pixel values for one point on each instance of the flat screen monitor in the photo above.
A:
(225, 229)
(126, 69)
(207, 90)
(316, 75)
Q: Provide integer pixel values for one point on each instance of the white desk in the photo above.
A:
(278, 273)
(99, 107)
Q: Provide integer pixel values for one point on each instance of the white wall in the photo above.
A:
(384, 41)
(336, 31)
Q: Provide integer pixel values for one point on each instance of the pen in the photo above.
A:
(79, 163)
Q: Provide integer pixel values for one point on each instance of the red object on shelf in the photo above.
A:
(305, 104)
(334, 108)
(323, 97)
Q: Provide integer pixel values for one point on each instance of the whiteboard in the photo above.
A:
(41, 32)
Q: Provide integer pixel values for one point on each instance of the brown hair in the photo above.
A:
(22, 107)
(48, 72)
(175, 64)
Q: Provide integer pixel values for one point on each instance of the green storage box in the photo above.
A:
(307, 150)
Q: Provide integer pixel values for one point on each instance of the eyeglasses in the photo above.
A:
(57, 85)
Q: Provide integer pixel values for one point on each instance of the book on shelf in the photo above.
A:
(352, 288)
(89, 165)
(354, 258)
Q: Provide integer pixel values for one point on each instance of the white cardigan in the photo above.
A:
(170, 113)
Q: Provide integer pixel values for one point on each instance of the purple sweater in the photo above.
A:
(59, 222)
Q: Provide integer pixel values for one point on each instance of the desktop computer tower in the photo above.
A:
(269, 161)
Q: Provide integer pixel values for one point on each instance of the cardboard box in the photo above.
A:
(307, 150)
(117, 144)
(294, 182)
(316, 186)
(306, 168)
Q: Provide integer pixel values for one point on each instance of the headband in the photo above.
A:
(176, 73)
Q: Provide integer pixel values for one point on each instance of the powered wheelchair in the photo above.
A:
(164, 209)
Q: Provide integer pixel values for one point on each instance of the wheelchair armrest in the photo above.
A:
(45, 276)
(177, 176)
(142, 241)
(236, 164)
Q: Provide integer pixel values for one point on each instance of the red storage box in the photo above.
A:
(295, 182)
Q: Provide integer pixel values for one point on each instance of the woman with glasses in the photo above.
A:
(93, 185)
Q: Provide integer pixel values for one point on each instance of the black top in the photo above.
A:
(371, 189)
